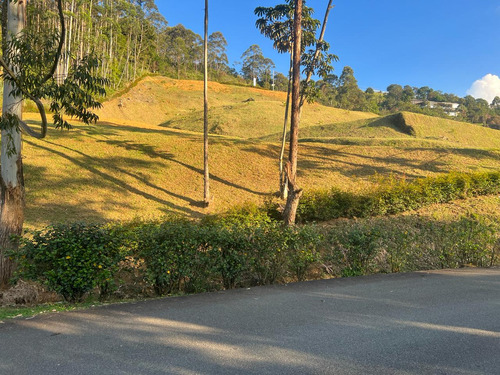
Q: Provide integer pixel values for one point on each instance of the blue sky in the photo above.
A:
(444, 44)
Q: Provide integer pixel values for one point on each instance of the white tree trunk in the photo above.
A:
(11, 169)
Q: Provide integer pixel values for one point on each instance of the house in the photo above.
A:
(448, 107)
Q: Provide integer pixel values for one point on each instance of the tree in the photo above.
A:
(423, 93)
(314, 60)
(30, 59)
(255, 65)
(277, 23)
(394, 97)
(295, 192)
(280, 82)
(206, 174)
(408, 94)
(182, 48)
(217, 57)
(349, 95)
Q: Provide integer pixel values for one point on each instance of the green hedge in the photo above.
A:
(395, 196)
(181, 256)
(72, 259)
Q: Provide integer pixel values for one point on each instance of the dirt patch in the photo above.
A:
(27, 294)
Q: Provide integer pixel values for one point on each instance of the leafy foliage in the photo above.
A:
(31, 53)
(71, 259)
(181, 256)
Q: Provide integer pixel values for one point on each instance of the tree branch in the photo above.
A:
(50, 74)
(318, 50)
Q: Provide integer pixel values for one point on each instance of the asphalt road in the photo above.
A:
(445, 322)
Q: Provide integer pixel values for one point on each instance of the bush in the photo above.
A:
(351, 251)
(303, 251)
(471, 240)
(267, 249)
(71, 259)
(182, 256)
(409, 244)
(176, 256)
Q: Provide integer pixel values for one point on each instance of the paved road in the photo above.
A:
(445, 322)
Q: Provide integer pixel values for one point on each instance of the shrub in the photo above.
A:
(351, 250)
(267, 253)
(71, 259)
(471, 240)
(303, 251)
(409, 244)
(176, 256)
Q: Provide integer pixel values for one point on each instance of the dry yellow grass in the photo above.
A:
(137, 167)
(179, 104)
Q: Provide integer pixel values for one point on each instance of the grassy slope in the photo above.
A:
(129, 166)
(179, 104)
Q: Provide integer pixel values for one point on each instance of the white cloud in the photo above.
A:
(487, 87)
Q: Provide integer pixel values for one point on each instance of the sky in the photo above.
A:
(448, 45)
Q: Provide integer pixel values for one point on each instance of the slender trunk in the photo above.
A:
(90, 26)
(295, 192)
(206, 174)
(11, 169)
(283, 179)
(70, 37)
(317, 51)
(110, 61)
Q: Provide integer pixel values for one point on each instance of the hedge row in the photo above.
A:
(180, 256)
(395, 196)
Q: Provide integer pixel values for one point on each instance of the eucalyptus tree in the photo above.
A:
(30, 59)
(277, 23)
(182, 48)
(217, 56)
(255, 64)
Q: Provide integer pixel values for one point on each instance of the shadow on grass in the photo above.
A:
(153, 153)
(88, 163)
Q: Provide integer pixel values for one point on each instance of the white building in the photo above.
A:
(449, 108)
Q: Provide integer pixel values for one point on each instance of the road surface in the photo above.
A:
(442, 322)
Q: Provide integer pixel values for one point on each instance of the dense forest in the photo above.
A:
(131, 38)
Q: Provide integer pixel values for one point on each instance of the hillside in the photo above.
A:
(139, 167)
(178, 104)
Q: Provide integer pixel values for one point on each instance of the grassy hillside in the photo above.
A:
(454, 132)
(177, 104)
(133, 165)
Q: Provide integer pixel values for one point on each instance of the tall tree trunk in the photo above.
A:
(11, 169)
(206, 174)
(294, 192)
(283, 175)
(69, 40)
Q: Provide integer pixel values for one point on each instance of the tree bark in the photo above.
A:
(294, 192)
(11, 169)
(206, 174)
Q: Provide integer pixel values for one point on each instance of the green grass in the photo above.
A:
(27, 312)
(454, 132)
